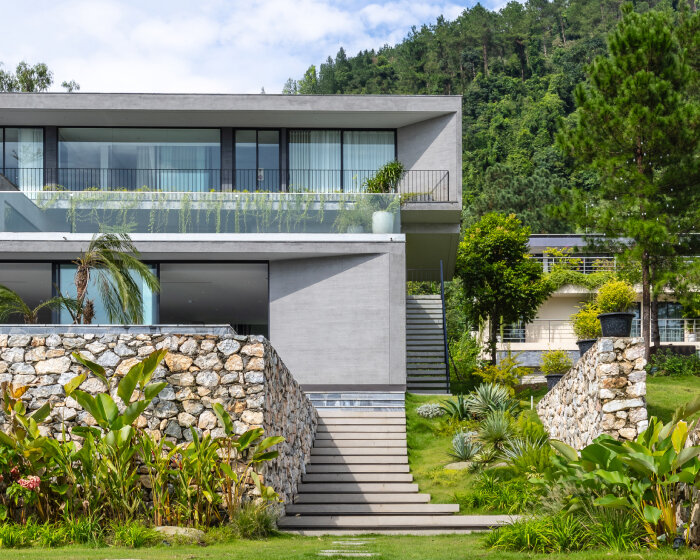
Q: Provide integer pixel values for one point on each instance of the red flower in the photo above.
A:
(30, 483)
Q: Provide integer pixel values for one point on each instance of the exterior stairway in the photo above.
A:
(425, 345)
(358, 481)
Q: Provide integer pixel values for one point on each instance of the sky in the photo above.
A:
(198, 46)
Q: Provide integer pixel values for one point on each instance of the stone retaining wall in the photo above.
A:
(243, 373)
(604, 393)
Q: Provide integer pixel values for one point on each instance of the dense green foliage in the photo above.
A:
(28, 78)
(517, 70)
(668, 363)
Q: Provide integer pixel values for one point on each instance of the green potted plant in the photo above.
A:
(555, 363)
(586, 326)
(385, 181)
(614, 301)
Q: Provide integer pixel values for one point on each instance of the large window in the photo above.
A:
(257, 160)
(22, 157)
(333, 160)
(174, 159)
(66, 284)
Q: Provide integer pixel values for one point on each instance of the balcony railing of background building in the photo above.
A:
(416, 185)
(587, 264)
(551, 331)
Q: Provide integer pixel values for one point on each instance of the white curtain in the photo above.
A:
(365, 151)
(28, 158)
(314, 160)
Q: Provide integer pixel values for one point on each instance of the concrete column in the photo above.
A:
(227, 159)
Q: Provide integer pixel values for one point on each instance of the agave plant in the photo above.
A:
(491, 397)
(496, 430)
(458, 409)
(464, 446)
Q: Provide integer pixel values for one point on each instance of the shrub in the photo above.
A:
(613, 529)
(491, 493)
(489, 397)
(464, 446)
(254, 521)
(506, 373)
(668, 363)
(556, 362)
(14, 535)
(544, 535)
(465, 360)
(585, 322)
(430, 410)
(386, 179)
(133, 534)
(615, 296)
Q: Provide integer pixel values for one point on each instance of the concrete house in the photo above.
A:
(251, 210)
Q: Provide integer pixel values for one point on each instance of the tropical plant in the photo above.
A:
(490, 492)
(430, 410)
(457, 408)
(11, 303)
(543, 535)
(113, 261)
(644, 477)
(529, 456)
(585, 322)
(490, 397)
(615, 296)
(386, 179)
(556, 362)
(464, 446)
(496, 430)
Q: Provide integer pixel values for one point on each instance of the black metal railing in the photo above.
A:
(444, 329)
(416, 185)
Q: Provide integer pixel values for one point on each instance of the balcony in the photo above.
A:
(423, 186)
(550, 332)
(93, 211)
(584, 264)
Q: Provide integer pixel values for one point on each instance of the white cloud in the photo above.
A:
(207, 46)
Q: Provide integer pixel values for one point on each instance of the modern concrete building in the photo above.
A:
(250, 208)
(552, 329)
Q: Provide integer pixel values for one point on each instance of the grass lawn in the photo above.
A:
(666, 394)
(445, 547)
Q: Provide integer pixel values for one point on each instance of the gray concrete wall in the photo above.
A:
(434, 144)
(341, 320)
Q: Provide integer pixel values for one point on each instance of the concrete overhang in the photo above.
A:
(221, 110)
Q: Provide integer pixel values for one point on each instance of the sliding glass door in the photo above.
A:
(257, 156)
(22, 157)
(365, 151)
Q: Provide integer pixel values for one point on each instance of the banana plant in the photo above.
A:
(241, 454)
(645, 476)
(114, 435)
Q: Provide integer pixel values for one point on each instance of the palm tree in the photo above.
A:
(11, 303)
(114, 262)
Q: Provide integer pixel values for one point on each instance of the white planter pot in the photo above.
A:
(355, 229)
(383, 222)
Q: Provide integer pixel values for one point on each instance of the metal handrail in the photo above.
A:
(444, 329)
(587, 264)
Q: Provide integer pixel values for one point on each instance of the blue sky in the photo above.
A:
(222, 46)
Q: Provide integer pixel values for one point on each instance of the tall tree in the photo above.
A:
(637, 128)
(501, 283)
(27, 78)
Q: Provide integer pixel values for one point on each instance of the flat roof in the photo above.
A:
(217, 110)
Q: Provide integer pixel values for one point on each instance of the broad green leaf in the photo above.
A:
(686, 411)
(613, 477)
(225, 419)
(269, 442)
(88, 403)
(651, 514)
(41, 414)
(106, 408)
(126, 386)
(152, 390)
(130, 414)
(150, 364)
(228, 471)
(611, 500)
(265, 456)
(687, 454)
(97, 369)
(7, 440)
(679, 435)
(568, 452)
(248, 438)
(73, 384)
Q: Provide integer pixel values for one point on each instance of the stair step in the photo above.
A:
(359, 460)
(376, 498)
(357, 488)
(359, 451)
(426, 380)
(360, 428)
(364, 468)
(348, 444)
(395, 521)
(354, 414)
(334, 478)
(391, 421)
(340, 436)
(376, 509)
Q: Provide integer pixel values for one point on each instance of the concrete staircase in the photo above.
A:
(425, 346)
(358, 481)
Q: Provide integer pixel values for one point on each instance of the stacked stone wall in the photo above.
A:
(243, 373)
(603, 393)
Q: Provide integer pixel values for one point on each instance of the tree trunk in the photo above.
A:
(655, 335)
(646, 303)
(493, 336)
(561, 26)
(486, 58)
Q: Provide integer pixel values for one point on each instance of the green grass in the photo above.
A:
(444, 547)
(428, 454)
(666, 394)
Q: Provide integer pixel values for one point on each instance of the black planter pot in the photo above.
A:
(616, 324)
(585, 345)
(553, 379)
